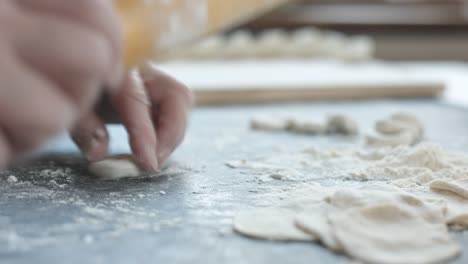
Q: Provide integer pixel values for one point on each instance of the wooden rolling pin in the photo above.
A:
(153, 27)
(318, 93)
(275, 81)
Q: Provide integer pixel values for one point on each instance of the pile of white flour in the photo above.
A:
(386, 204)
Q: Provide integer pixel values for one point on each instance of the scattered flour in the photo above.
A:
(113, 215)
(88, 239)
(64, 175)
(420, 163)
(12, 179)
(12, 241)
(55, 173)
(403, 199)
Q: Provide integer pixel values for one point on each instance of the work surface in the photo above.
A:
(57, 212)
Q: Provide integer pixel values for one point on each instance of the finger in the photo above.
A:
(172, 102)
(133, 107)
(32, 109)
(97, 15)
(77, 62)
(90, 135)
(5, 150)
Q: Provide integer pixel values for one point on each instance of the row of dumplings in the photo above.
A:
(274, 43)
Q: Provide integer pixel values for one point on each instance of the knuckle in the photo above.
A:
(184, 93)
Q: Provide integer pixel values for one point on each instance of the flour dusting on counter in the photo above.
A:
(385, 192)
(115, 213)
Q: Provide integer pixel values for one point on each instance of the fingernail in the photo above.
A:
(151, 163)
(146, 71)
(100, 134)
(163, 155)
(94, 148)
(91, 150)
(143, 150)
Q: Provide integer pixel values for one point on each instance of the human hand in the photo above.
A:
(55, 58)
(154, 109)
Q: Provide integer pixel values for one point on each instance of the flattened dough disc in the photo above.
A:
(270, 224)
(314, 221)
(388, 234)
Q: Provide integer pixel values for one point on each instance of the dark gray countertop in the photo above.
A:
(57, 212)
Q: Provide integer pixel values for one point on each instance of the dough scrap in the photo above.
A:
(453, 187)
(337, 124)
(342, 124)
(395, 130)
(116, 167)
(398, 123)
(275, 224)
(270, 123)
(390, 234)
(306, 127)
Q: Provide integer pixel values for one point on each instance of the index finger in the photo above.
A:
(131, 103)
(172, 102)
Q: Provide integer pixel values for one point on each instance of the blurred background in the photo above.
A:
(417, 47)
(402, 30)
